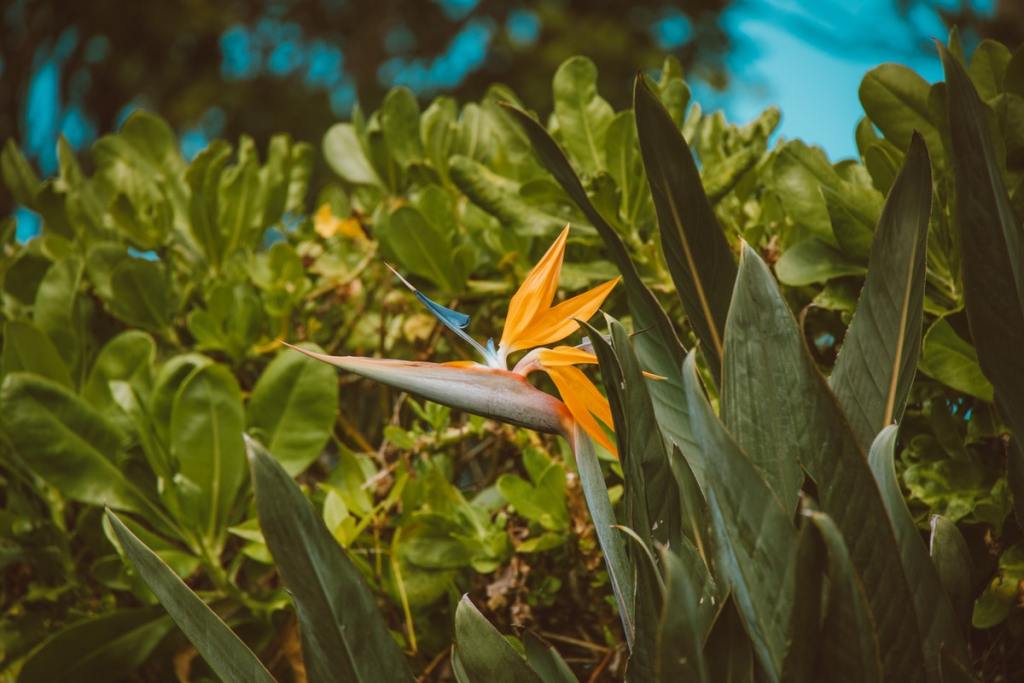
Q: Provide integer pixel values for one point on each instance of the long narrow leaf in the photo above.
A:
(878, 358)
(787, 378)
(992, 243)
(755, 537)
(482, 652)
(935, 615)
(344, 637)
(699, 258)
(226, 654)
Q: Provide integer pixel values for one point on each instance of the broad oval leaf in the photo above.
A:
(292, 408)
(206, 441)
(29, 349)
(346, 157)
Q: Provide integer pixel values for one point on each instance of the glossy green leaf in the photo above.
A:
(658, 348)
(482, 652)
(895, 98)
(344, 637)
(346, 157)
(56, 308)
(292, 408)
(204, 178)
(812, 261)
(67, 443)
(128, 357)
(27, 348)
(423, 250)
(206, 441)
(952, 560)
(108, 647)
(952, 360)
(936, 618)
(226, 654)
(877, 361)
(583, 115)
(754, 536)
(400, 123)
(141, 294)
(992, 245)
(828, 451)
(698, 254)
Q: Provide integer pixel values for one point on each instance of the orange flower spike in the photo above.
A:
(531, 320)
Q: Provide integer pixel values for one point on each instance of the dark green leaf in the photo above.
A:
(681, 630)
(697, 252)
(107, 647)
(755, 537)
(992, 245)
(804, 638)
(483, 653)
(848, 646)
(226, 654)
(935, 616)
(546, 662)
(876, 364)
(828, 451)
(344, 637)
(400, 123)
(141, 294)
(128, 357)
(952, 559)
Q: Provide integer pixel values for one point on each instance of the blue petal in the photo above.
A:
(446, 315)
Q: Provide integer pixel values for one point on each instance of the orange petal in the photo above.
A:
(536, 292)
(462, 364)
(585, 403)
(566, 355)
(559, 322)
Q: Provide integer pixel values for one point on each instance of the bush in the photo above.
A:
(759, 506)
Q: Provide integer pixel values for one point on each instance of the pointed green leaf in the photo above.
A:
(952, 360)
(848, 646)
(754, 534)
(681, 630)
(483, 653)
(226, 654)
(935, 616)
(19, 177)
(107, 647)
(546, 662)
(878, 358)
(952, 559)
(621, 571)
(697, 252)
(206, 440)
(992, 243)
(828, 451)
(804, 637)
(344, 637)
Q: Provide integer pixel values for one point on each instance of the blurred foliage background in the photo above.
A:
(258, 67)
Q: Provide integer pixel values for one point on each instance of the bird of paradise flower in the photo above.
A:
(489, 388)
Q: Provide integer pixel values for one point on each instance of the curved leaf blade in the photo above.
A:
(935, 616)
(698, 254)
(878, 358)
(344, 638)
(224, 651)
(483, 653)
